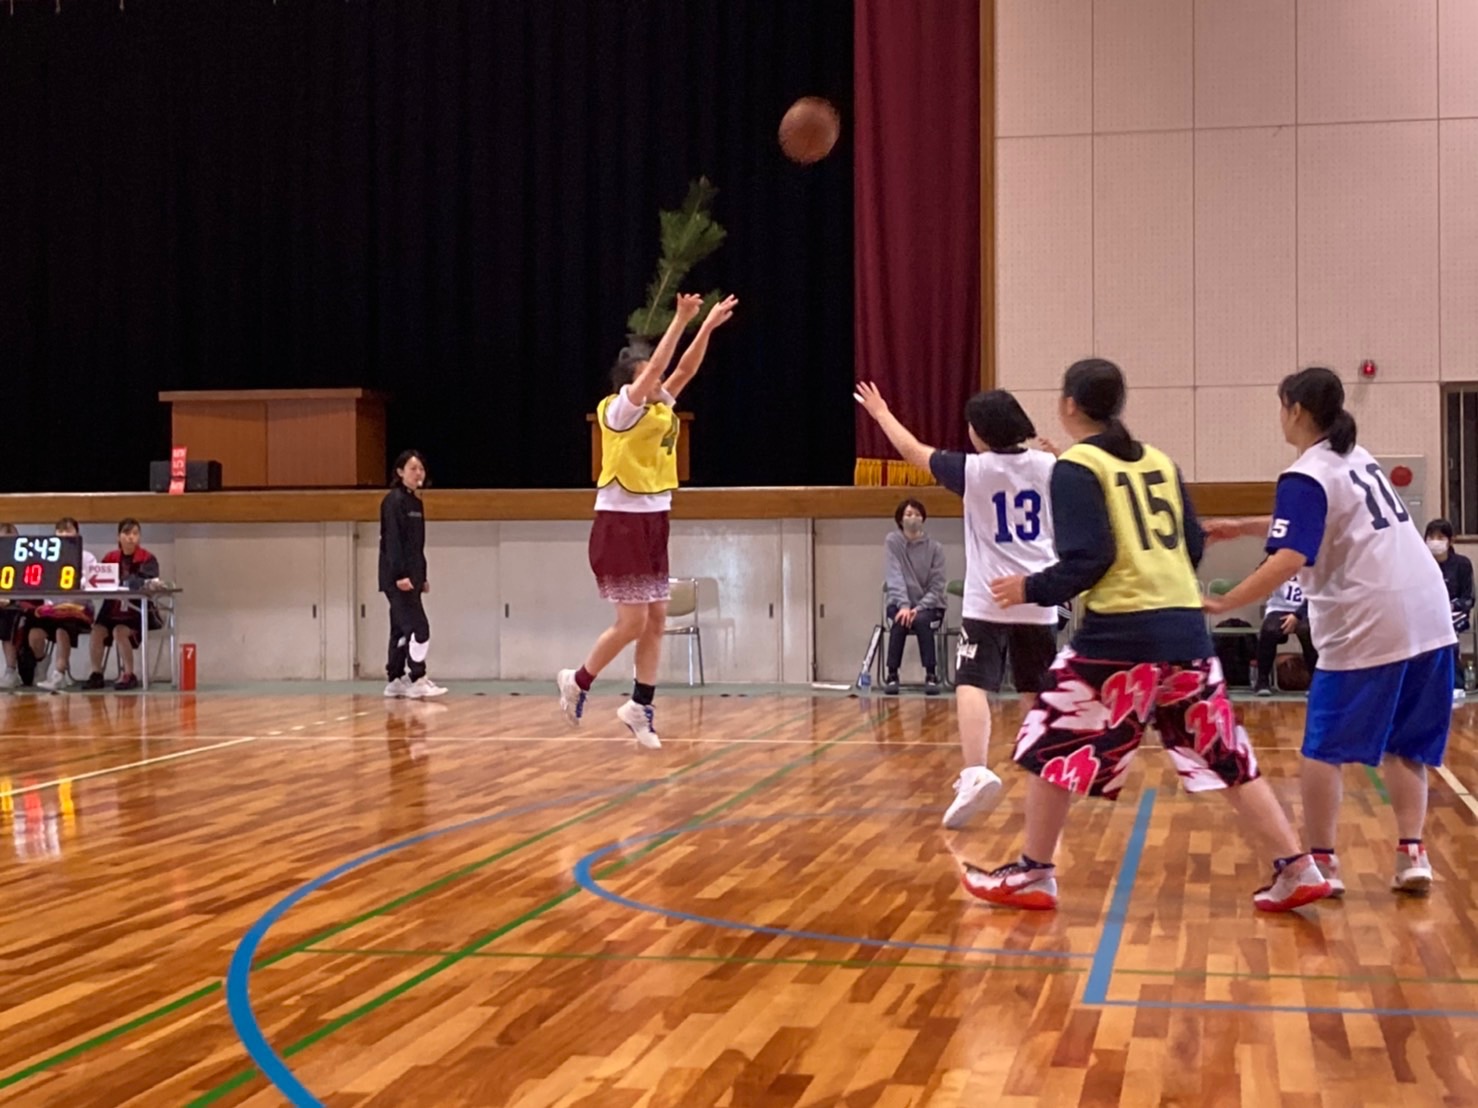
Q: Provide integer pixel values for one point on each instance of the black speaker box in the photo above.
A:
(199, 476)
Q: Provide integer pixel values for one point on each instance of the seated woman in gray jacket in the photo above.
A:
(914, 579)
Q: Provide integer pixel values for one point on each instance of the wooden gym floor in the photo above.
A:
(323, 898)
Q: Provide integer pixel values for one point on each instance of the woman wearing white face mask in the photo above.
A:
(1457, 573)
(914, 577)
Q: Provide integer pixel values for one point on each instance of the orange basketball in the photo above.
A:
(809, 130)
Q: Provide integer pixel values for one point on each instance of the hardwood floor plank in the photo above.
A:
(135, 852)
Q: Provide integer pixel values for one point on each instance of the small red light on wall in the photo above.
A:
(1367, 368)
(1401, 477)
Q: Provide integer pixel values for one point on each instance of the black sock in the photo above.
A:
(1032, 863)
(1408, 842)
(1280, 863)
(643, 694)
(1321, 850)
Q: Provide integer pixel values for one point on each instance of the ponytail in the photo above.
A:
(1342, 432)
(1097, 387)
(1116, 438)
(1318, 392)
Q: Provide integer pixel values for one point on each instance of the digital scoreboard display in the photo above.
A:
(31, 564)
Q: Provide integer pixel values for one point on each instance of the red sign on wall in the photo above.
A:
(177, 471)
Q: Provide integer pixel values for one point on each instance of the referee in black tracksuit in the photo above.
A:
(403, 580)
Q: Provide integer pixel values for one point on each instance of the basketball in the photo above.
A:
(809, 130)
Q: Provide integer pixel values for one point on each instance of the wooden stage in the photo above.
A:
(462, 903)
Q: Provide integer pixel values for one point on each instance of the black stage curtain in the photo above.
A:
(453, 200)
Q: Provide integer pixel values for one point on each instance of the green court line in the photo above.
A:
(110, 1034)
(1380, 786)
(105, 1037)
(715, 959)
(450, 960)
(860, 963)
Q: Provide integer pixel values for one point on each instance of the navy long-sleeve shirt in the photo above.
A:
(1457, 574)
(1086, 550)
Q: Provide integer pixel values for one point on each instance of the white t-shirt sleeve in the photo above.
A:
(622, 414)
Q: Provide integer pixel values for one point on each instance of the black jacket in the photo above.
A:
(1457, 574)
(402, 539)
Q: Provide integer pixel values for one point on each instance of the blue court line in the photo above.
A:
(586, 879)
(1096, 990)
(1224, 1006)
(238, 995)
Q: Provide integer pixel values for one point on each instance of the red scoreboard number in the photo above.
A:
(52, 564)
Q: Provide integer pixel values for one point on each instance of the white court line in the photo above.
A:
(130, 765)
(1458, 787)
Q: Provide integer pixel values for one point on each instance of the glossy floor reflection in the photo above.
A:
(465, 903)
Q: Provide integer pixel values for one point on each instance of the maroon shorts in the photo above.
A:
(1089, 719)
(628, 552)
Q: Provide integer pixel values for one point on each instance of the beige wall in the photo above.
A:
(515, 600)
(1216, 192)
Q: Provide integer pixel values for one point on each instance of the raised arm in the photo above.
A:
(909, 448)
(641, 389)
(692, 358)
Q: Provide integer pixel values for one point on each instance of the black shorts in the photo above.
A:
(984, 648)
(75, 629)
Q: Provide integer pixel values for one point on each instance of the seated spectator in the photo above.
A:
(10, 623)
(61, 623)
(1457, 572)
(914, 579)
(136, 568)
(1287, 613)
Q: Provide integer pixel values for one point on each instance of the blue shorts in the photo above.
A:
(1402, 708)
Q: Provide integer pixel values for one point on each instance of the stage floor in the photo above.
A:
(312, 895)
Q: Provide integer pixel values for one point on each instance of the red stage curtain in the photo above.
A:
(917, 188)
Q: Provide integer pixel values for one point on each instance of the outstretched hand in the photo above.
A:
(721, 312)
(867, 394)
(1222, 530)
(687, 305)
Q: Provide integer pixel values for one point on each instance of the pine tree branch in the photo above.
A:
(688, 235)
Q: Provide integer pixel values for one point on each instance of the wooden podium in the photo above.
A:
(284, 438)
(685, 419)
